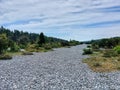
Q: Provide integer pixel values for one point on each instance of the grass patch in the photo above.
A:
(98, 63)
(27, 53)
(13, 53)
(5, 57)
(109, 53)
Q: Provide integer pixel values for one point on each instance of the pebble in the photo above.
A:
(61, 69)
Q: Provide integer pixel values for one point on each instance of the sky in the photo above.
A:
(67, 19)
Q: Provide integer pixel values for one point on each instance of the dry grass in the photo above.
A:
(98, 63)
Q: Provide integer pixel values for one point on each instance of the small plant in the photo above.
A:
(87, 51)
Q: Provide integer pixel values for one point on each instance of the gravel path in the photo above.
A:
(61, 69)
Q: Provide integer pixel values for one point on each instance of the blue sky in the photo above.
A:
(67, 19)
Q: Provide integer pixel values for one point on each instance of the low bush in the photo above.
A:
(5, 57)
(15, 48)
(88, 46)
(117, 49)
(87, 51)
(27, 53)
(65, 43)
(73, 42)
(56, 45)
(109, 53)
(32, 48)
(95, 46)
(47, 46)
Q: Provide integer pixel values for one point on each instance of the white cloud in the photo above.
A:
(54, 16)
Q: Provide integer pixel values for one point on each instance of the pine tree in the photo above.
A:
(41, 40)
(3, 43)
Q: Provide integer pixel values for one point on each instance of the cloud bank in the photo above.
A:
(67, 19)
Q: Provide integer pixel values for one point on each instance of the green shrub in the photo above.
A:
(47, 46)
(95, 46)
(5, 57)
(117, 49)
(109, 53)
(15, 48)
(65, 43)
(73, 42)
(88, 46)
(32, 48)
(87, 51)
(56, 45)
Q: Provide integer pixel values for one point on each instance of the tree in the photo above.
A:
(3, 43)
(41, 40)
(24, 40)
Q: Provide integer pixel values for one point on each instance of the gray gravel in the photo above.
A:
(61, 69)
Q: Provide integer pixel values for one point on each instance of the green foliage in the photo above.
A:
(13, 46)
(20, 37)
(23, 40)
(32, 48)
(73, 42)
(95, 46)
(41, 40)
(55, 45)
(16, 40)
(47, 46)
(117, 49)
(109, 53)
(88, 46)
(3, 43)
(107, 43)
(87, 51)
(65, 43)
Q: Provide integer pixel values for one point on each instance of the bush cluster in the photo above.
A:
(87, 51)
(109, 53)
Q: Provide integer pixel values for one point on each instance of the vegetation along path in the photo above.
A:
(61, 69)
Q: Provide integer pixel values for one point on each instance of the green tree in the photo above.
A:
(41, 40)
(3, 43)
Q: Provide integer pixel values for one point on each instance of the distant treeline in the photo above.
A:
(16, 40)
(105, 43)
(21, 37)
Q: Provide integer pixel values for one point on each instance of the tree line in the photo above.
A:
(106, 42)
(14, 40)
